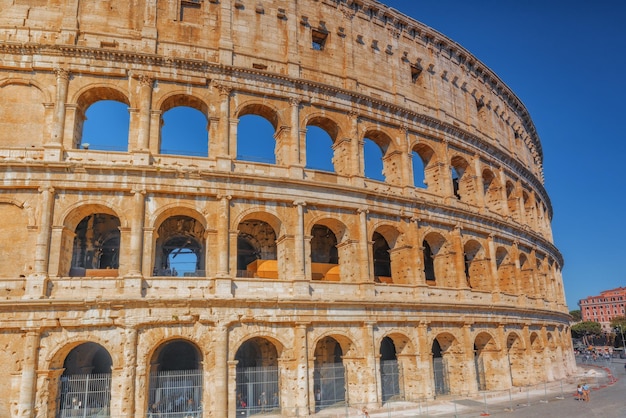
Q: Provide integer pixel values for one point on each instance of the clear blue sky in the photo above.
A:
(566, 61)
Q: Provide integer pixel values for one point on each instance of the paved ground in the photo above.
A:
(607, 400)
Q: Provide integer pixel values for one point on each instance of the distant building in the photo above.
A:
(603, 308)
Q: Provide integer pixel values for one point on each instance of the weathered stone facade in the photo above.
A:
(455, 286)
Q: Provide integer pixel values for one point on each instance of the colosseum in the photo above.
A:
(316, 275)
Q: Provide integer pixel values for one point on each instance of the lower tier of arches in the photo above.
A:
(179, 361)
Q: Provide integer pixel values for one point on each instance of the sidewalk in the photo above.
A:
(549, 399)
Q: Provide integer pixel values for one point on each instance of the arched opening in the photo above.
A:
(389, 370)
(512, 201)
(85, 385)
(180, 247)
(516, 357)
(329, 383)
(256, 250)
(492, 191)
(419, 171)
(477, 267)
(324, 254)
(429, 263)
(440, 372)
(462, 180)
(373, 159)
(319, 149)
(106, 126)
(184, 132)
(382, 259)
(255, 139)
(257, 377)
(506, 271)
(96, 246)
(176, 380)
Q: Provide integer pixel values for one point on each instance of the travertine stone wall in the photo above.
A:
(455, 284)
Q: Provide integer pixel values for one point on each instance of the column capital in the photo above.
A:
(62, 73)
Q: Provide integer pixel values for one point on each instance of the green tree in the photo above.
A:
(576, 315)
(618, 324)
(586, 330)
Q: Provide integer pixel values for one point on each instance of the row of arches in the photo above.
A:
(340, 371)
(184, 243)
(223, 123)
(185, 131)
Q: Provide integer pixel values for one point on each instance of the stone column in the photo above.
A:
(28, 381)
(419, 254)
(297, 143)
(223, 228)
(124, 402)
(145, 107)
(480, 186)
(364, 247)
(470, 369)
(136, 237)
(226, 407)
(371, 378)
(303, 390)
(300, 261)
(493, 264)
(224, 376)
(54, 147)
(219, 143)
(459, 257)
(36, 283)
(424, 380)
(42, 248)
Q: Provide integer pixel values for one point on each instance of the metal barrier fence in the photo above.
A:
(90, 390)
(257, 390)
(84, 395)
(175, 394)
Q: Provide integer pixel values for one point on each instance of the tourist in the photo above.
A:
(586, 390)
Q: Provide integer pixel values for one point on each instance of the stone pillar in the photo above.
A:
(355, 158)
(226, 407)
(54, 146)
(300, 260)
(219, 144)
(480, 186)
(224, 375)
(468, 354)
(297, 143)
(136, 237)
(424, 378)
(459, 258)
(36, 283)
(420, 274)
(42, 248)
(28, 381)
(124, 402)
(303, 389)
(364, 247)
(494, 284)
(371, 378)
(223, 228)
(517, 271)
(145, 107)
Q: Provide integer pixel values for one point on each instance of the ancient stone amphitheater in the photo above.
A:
(318, 275)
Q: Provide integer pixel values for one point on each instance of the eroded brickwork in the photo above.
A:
(335, 287)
